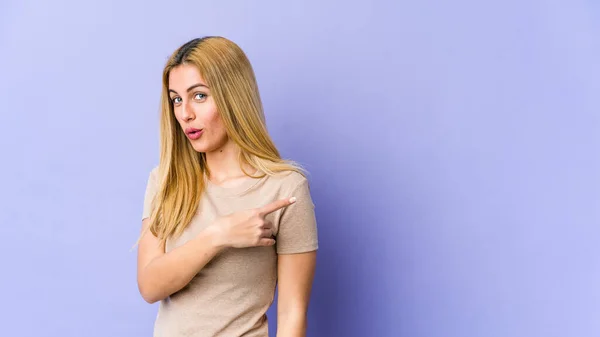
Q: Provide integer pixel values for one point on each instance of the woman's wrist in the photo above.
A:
(216, 237)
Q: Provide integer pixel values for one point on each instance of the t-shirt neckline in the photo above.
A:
(236, 190)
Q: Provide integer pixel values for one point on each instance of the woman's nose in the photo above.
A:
(187, 112)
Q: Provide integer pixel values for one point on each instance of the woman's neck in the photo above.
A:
(224, 164)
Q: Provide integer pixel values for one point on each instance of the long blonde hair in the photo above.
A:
(181, 170)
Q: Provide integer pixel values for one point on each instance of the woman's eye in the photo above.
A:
(199, 96)
(176, 100)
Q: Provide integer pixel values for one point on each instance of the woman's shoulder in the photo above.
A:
(154, 170)
(152, 174)
(288, 180)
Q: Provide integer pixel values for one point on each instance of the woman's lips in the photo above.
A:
(193, 134)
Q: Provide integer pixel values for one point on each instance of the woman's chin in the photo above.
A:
(199, 146)
(207, 147)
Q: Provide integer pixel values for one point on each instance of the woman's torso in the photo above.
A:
(231, 294)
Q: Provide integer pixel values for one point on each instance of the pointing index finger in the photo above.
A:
(276, 205)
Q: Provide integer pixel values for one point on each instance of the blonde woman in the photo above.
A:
(225, 218)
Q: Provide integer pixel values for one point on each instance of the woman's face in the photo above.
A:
(195, 109)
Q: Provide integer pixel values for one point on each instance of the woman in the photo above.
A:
(225, 218)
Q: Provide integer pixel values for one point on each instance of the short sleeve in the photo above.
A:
(151, 187)
(297, 232)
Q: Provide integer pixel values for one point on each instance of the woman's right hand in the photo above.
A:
(248, 228)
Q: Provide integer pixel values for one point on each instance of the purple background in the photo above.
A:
(453, 148)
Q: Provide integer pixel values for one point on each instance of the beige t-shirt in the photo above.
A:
(231, 294)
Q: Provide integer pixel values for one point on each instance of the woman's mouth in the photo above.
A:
(193, 134)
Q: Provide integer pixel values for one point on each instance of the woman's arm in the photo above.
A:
(161, 274)
(295, 278)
